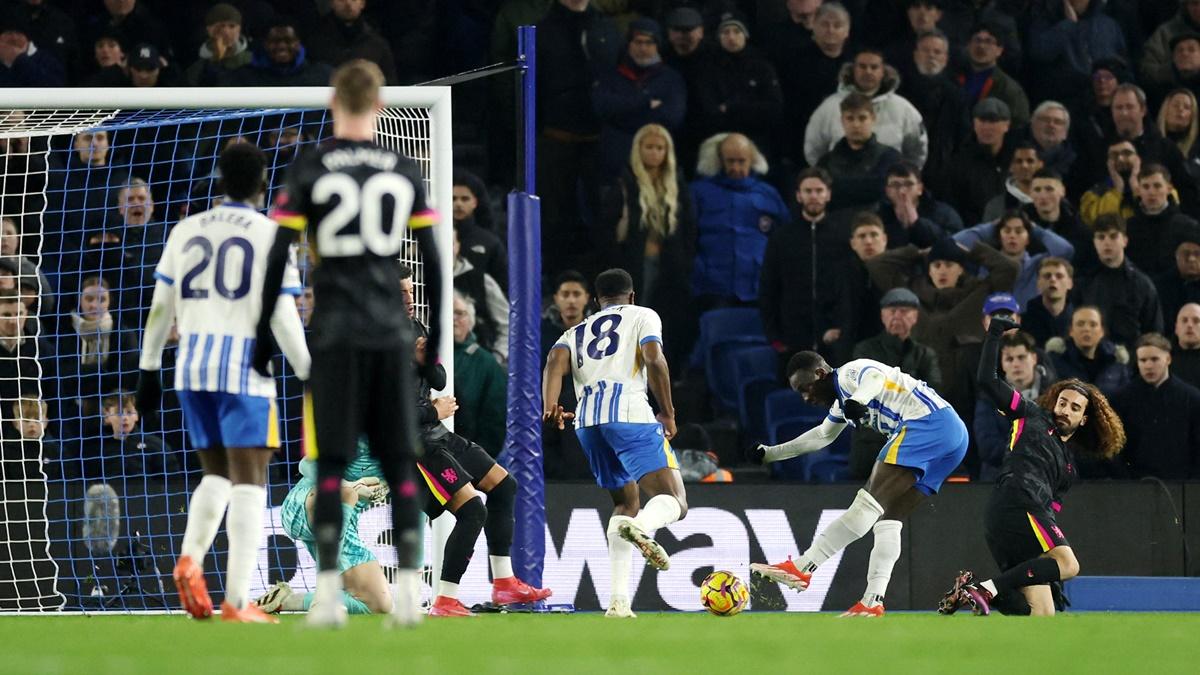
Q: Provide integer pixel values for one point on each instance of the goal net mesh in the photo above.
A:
(93, 500)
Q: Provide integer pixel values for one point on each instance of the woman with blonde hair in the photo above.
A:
(1179, 121)
(653, 231)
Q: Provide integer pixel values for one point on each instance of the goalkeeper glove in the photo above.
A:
(149, 392)
(757, 454)
(1001, 324)
(855, 412)
(264, 349)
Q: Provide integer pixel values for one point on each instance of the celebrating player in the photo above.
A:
(210, 282)
(1019, 525)
(926, 441)
(612, 355)
(358, 195)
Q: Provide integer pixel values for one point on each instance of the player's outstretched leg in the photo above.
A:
(507, 589)
(205, 511)
(848, 528)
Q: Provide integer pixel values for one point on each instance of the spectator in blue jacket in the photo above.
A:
(1014, 234)
(22, 63)
(641, 90)
(735, 212)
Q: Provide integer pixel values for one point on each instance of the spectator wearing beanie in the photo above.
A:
(225, 50)
(640, 90)
(978, 168)
(1157, 51)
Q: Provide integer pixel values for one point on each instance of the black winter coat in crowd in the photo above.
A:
(336, 42)
(1108, 370)
(935, 220)
(1127, 299)
(976, 175)
(747, 86)
(1174, 292)
(573, 48)
(858, 174)
(1162, 425)
(622, 101)
(660, 282)
(1153, 237)
(801, 257)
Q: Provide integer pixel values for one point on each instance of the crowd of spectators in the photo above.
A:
(877, 177)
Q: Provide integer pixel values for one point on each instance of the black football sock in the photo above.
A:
(1028, 573)
(461, 543)
(499, 524)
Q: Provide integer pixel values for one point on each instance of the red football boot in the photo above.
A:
(513, 591)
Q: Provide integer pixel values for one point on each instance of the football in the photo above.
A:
(723, 594)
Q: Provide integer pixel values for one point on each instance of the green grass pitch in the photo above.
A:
(696, 644)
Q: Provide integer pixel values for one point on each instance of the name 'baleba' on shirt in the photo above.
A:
(214, 263)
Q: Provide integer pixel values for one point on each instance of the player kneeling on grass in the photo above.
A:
(365, 588)
(454, 469)
(1019, 525)
(229, 408)
(926, 442)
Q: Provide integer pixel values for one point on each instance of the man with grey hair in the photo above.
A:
(809, 74)
(939, 99)
(736, 209)
(1050, 128)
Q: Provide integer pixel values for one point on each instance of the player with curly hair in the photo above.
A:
(1071, 418)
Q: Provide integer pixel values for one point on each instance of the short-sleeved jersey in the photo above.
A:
(1038, 463)
(903, 397)
(355, 198)
(607, 367)
(215, 262)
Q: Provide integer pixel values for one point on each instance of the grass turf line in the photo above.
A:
(589, 643)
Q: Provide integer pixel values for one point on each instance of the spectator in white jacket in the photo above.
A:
(898, 124)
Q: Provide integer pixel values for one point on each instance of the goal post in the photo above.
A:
(92, 513)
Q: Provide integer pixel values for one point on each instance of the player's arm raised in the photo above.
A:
(158, 328)
(658, 376)
(558, 364)
(1004, 397)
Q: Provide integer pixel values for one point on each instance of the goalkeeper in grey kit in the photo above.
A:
(926, 442)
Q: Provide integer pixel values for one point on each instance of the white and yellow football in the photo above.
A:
(723, 594)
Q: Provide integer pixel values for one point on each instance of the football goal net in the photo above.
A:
(93, 500)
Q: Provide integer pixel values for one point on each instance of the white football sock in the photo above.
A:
(847, 529)
(448, 589)
(620, 557)
(884, 555)
(244, 528)
(660, 510)
(329, 587)
(205, 511)
(501, 566)
(990, 586)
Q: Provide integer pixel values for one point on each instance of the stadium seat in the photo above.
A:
(827, 467)
(721, 332)
(784, 406)
(722, 372)
(786, 429)
(752, 396)
(756, 373)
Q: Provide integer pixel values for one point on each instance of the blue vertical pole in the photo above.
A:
(523, 440)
